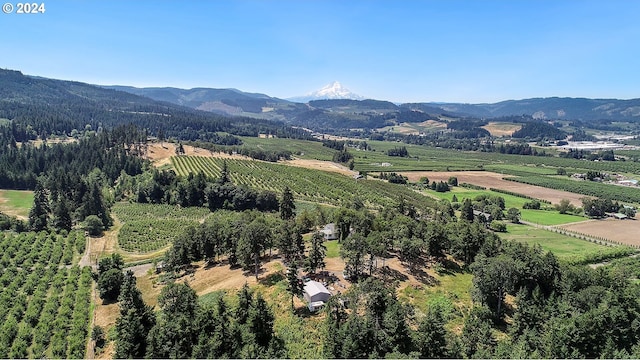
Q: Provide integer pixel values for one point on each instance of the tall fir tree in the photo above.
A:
(62, 215)
(287, 206)
(317, 253)
(135, 321)
(294, 284)
(39, 213)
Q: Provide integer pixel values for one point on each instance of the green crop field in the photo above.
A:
(307, 184)
(16, 202)
(150, 227)
(542, 217)
(562, 246)
(44, 301)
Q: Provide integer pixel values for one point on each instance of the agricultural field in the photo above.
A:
(542, 217)
(150, 227)
(415, 128)
(563, 246)
(620, 231)
(44, 311)
(16, 202)
(307, 184)
(493, 180)
(300, 148)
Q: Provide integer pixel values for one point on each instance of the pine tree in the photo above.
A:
(287, 206)
(294, 285)
(135, 321)
(224, 174)
(466, 212)
(430, 339)
(317, 253)
(62, 215)
(39, 213)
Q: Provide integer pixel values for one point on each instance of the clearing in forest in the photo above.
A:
(16, 203)
(502, 129)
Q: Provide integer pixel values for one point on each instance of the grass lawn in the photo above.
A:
(16, 202)
(544, 217)
(333, 248)
(561, 245)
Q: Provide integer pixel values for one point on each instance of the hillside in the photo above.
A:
(48, 106)
(343, 113)
(551, 108)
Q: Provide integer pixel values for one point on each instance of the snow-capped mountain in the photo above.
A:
(335, 90)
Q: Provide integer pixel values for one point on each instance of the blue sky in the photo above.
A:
(403, 51)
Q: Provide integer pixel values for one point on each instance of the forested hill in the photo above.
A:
(39, 106)
(550, 108)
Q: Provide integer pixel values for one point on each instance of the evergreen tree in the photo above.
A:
(317, 253)
(39, 213)
(430, 339)
(287, 206)
(174, 334)
(62, 215)
(224, 174)
(93, 204)
(135, 321)
(260, 321)
(294, 284)
(252, 242)
(466, 212)
(245, 301)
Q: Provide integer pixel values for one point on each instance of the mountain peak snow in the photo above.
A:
(334, 90)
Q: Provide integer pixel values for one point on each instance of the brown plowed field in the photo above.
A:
(494, 180)
(622, 231)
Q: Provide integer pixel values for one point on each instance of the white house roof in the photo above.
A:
(313, 287)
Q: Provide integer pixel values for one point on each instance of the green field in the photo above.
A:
(542, 217)
(562, 246)
(307, 184)
(300, 148)
(16, 202)
(150, 227)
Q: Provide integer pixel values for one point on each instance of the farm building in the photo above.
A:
(315, 294)
(330, 232)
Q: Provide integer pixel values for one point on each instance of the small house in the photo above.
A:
(486, 217)
(315, 294)
(330, 232)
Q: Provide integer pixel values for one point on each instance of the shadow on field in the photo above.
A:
(272, 279)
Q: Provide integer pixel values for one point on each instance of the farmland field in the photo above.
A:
(561, 245)
(489, 179)
(307, 184)
(150, 227)
(543, 217)
(44, 311)
(621, 231)
(16, 202)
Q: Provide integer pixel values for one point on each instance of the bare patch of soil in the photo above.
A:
(501, 129)
(489, 179)
(222, 277)
(622, 231)
(160, 153)
(321, 165)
